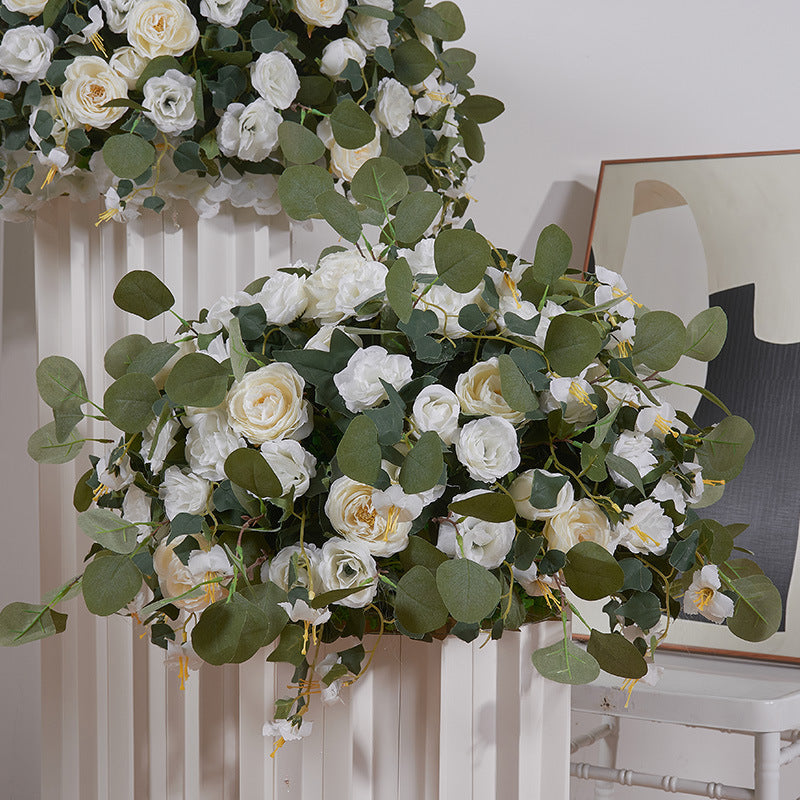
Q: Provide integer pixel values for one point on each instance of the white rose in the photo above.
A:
(90, 84)
(520, 491)
(220, 314)
(479, 392)
(274, 77)
(306, 562)
(26, 52)
(169, 101)
(164, 443)
(249, 132)
(209, 442)
(341, 283)
(646, 530)
(371, 32)
(268, 404)
(62, 119)
(436, 408)
(223, 12)
(574, 397)
(292, 464)
(485, 543)
(583, 522)
(184, 494)
(321, 340)
(116, 13)
(669, 488)
(31, 8)
(128, 63)
(393, 106)
(345, 163)
(636, 448)
(136, 509)
(350, 510)
(346, 565)
(359, 383)
(488, 448)
(323, 13)
(161, 28)
(283, 298)
(175, 578)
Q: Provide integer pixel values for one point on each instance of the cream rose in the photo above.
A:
(161, 28)
(436, 408)
(90, 84)
(347, 565)
(359, 383)
(345, 163)
(31, 8)
(184, 493)
(176, 578)
(371, 32)
(323, 13)
(488, 448)
(129, 64)
(249, 132)
(283, 298)
(393, 106)
(584, 521)
(267, 405)
(350, 510)
(274, 77)
(169, 101)
(336, 55)
(485, 543)
(292, 464)
(223, 12)
(26, 52)
(479, 392)
(520, 491)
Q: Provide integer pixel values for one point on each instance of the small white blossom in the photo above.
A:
(488, 448)
(169, 101)
(646, 529)
(249, 132)
(300, 611)
(184, 493)
(636, 448)
(336, 55)
(89, 31)
(283, 729)
(359, 383)
(704, 596)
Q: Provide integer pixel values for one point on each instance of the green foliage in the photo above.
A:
(352, 127)
(358, 453)
(109, 530)
(443, 21)
(660, 340)
(299, 187)
(461, 258)
(571, 344)
(758, 609)
(340, 214)
(128, 402)
(489, 506)
(60, 383)
(110, 582)
(45, 446)
(143, 294)
(418, 606)
(399, 283)
(706, 333)
(592, 572)
(415, 215)
(413, 62)
(249, 469)
(380, 183)
(422, 466)
(469, 591)
(615, 654)
(553, 252)
(515, 389)
(724, 449)
(566, 662)
(128, 155)
(197, 380)
(119, 356)
(21, 623)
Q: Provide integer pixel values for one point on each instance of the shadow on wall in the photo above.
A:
(568, 204)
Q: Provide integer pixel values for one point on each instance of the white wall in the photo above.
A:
(583, 81)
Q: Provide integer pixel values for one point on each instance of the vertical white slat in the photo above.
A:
(313, 748)
(230, 732)
(531, 723)
(387, 772)
(338, 747)
(484, 717)
(191, 724)
(256, 699)
(157, 725)
(177, 764)
(288, 763)
(362, 723)
(509, 708)
(456, 720)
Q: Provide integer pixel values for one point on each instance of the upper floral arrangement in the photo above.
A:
(260, 104)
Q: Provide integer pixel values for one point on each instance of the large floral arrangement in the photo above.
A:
(146, 101)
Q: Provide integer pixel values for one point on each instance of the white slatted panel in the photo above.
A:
(427, 721)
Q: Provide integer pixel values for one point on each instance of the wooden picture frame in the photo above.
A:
(693, 231)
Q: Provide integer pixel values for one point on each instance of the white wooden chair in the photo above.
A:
(726, 694)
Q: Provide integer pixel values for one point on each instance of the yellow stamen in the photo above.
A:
(580, 394)
(702, 597)
(97, 41)
(183, 670)
(306, 625)
(391, 522)
(509, 281)
(550, 598)
(439, 97)
(662, 424)
(281, 743)
(105, 216)
(617, 292)
(625, 348)
(628, 686)
(643, 536)
(471, 198)
(709, 482)
(51, 173)
(101, 490)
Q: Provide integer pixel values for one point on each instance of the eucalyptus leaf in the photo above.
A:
(724, 449)
(413, 62)
(109, 530)
(469, 591)
(128, 402)
(706, 333)
(545, 489)
(45, 447)
(553, 252)
(415, 215)
(21, 623)
(443, 21)
(143, 294)
(423, 464)
(489, 506)
(249, 469)
(231, 631)
(239, 357)
(121, 354)
(380, 183)
(299, 187)
(591, 572)
(461, 257)
(660, 340)
(358, 453)
(110, 583)
(352, 127)
(340, 214)
(571, 344)
(399, 283)
(197, 379)
(420, 552)
(128, 155)
(566, 662)
(616, 655)
(758, 610)
(418, 606)
(481, 108)
(298, 143)
(516, 391)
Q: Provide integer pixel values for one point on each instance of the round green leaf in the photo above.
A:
(417, 604)
(566, 662)
(380, 183)
(420, 552)
(399, 283)
(352, 127)
(553, 252)
(723, 450)
(408, 148)
(267, 596)
(110, 583)
(515, 389)
(300, 186)
(413, 62)
(143, 294)
(44, 446)
(249, 469)
(415, 215)
(230, 631)
(571, 344)
(299, 144)
(340, 214)
(151, 359)
(128, 155)
(706, 333)
(21, 623)
(592, 572)
(443, 21)
(358, 453)
(155, 68)
(616, 655)
(481, 108)
(757, 613)
(197, 380)
(457, 63)
(469, 591)
(473, 139)
(108, 529)
(489, 506)
(660, 340)
(423, 465)
(128, 402)
(120, 355)
(60, 382)
(461, 258)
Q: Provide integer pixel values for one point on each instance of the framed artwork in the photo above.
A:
(692, 232)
